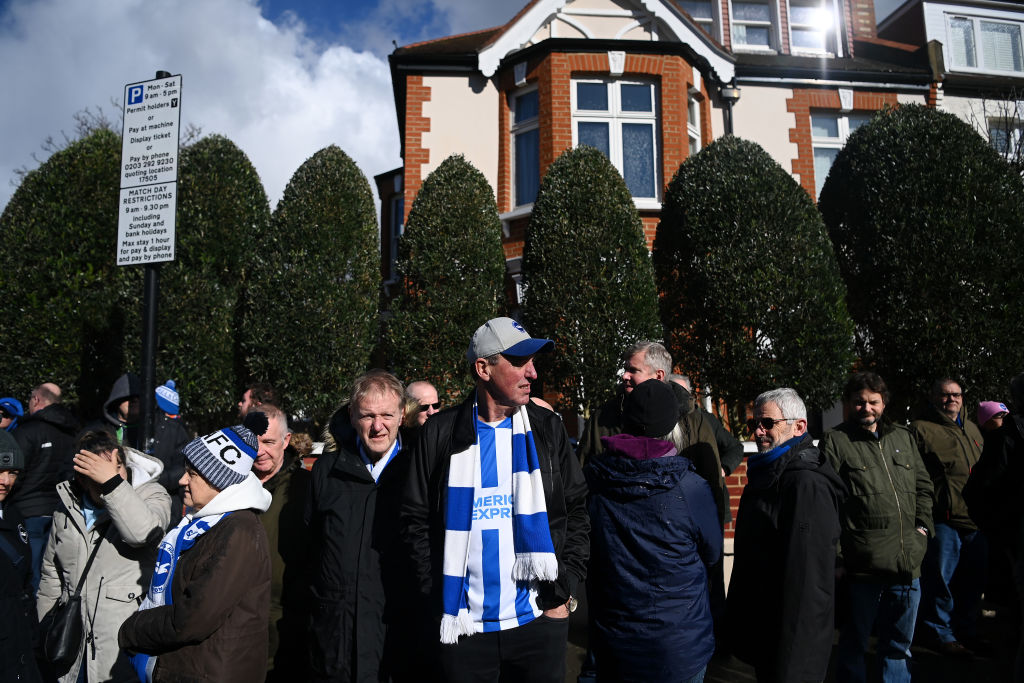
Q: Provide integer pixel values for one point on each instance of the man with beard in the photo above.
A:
(885, 525)
(780, 606)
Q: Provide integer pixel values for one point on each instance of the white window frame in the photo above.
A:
(772, 24)
(693, 122)
(516, 129)
(712, 25)
(836, 143)
(979, 54)
(830, 32)
(615, 118)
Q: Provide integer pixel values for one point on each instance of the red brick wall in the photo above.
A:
(863, 18)
(415, 126)
(801, 104)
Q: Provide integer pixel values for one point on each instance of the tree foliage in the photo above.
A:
(587, 276)
(926, 219)
(311, 318)
(63, 303)
(451, 270)
(751, 293)
(222, 214)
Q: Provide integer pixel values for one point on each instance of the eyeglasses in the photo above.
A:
(765, 423)
(426, 406)
(950, 394)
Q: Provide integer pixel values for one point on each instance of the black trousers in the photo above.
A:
(533, 653)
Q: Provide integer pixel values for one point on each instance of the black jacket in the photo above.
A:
(47, 438)
(994, 493)
(360, 583)
(780, 607)
(17, 606)
(565, 494)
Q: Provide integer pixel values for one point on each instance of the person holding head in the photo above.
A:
(654, 533)
(426, 396)
(360, 581)
(10, 411)
(115, 505)
(255, 396)
(279, 468)
(205, 615)
(122, 417)
(780, 605)
(950, 446)
(46, 437)
(17, 602)
(886, 521)
(495, 520)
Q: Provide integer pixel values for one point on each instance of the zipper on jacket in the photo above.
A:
(899, 508)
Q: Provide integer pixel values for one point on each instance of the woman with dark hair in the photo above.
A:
(654, 533)
(115, 506)
(206, 614)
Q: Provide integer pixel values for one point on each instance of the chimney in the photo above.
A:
(863, 14)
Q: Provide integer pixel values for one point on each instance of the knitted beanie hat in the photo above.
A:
(167, 397)
(651, 409)
(225, 457)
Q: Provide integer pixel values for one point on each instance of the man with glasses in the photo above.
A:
(780, 606)
(950, 445)
(426, 395)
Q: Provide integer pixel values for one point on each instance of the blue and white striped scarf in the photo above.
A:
(178, 540)
(531, 535)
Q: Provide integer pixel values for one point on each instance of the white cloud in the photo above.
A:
(267, 87)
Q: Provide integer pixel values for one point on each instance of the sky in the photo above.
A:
(281, 78)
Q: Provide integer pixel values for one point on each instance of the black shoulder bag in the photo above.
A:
(61, 628)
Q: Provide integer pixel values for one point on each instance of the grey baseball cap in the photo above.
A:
(505, 336)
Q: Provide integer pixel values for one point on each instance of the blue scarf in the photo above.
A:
(535, 553)
(178, 540)
(759, 460)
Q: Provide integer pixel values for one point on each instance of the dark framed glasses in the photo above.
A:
(426, 406)
(765, 423)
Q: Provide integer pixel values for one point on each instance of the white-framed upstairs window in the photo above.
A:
(811, 26)
(704, 13)
(829, 132)
(693, 123)
(525, 131)
(753, 25)
(980, 44)
(620, 118)
(1006, 136)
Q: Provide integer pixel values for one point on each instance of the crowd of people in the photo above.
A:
(451, 544)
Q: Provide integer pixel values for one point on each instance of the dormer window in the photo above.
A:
(810, 22)
(977, 44)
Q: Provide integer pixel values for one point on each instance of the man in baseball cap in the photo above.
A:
(492, 552)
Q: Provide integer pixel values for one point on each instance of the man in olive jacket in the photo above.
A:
(885, 522)
(950, 446)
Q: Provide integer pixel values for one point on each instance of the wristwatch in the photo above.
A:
(572, 604)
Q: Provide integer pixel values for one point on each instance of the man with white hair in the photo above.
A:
(780, 605)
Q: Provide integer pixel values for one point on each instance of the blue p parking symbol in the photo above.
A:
(135, 94)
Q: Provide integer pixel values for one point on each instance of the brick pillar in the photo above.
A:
(864, 25)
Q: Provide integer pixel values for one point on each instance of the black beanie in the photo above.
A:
(650, 409)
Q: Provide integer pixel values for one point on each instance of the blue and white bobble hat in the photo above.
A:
(167, 397)
(225, 457)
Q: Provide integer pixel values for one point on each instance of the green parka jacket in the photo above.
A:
(890, 496)
(950, 452)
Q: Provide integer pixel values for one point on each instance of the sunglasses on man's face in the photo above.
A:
(425, 406)
(765, 423)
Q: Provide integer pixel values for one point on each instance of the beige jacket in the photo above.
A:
(138, 514)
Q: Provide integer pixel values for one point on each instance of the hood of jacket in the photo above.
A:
(55, 414)
(127, 385)
(143, 467)
(633, 467)
(245, 495)
(339, 432)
